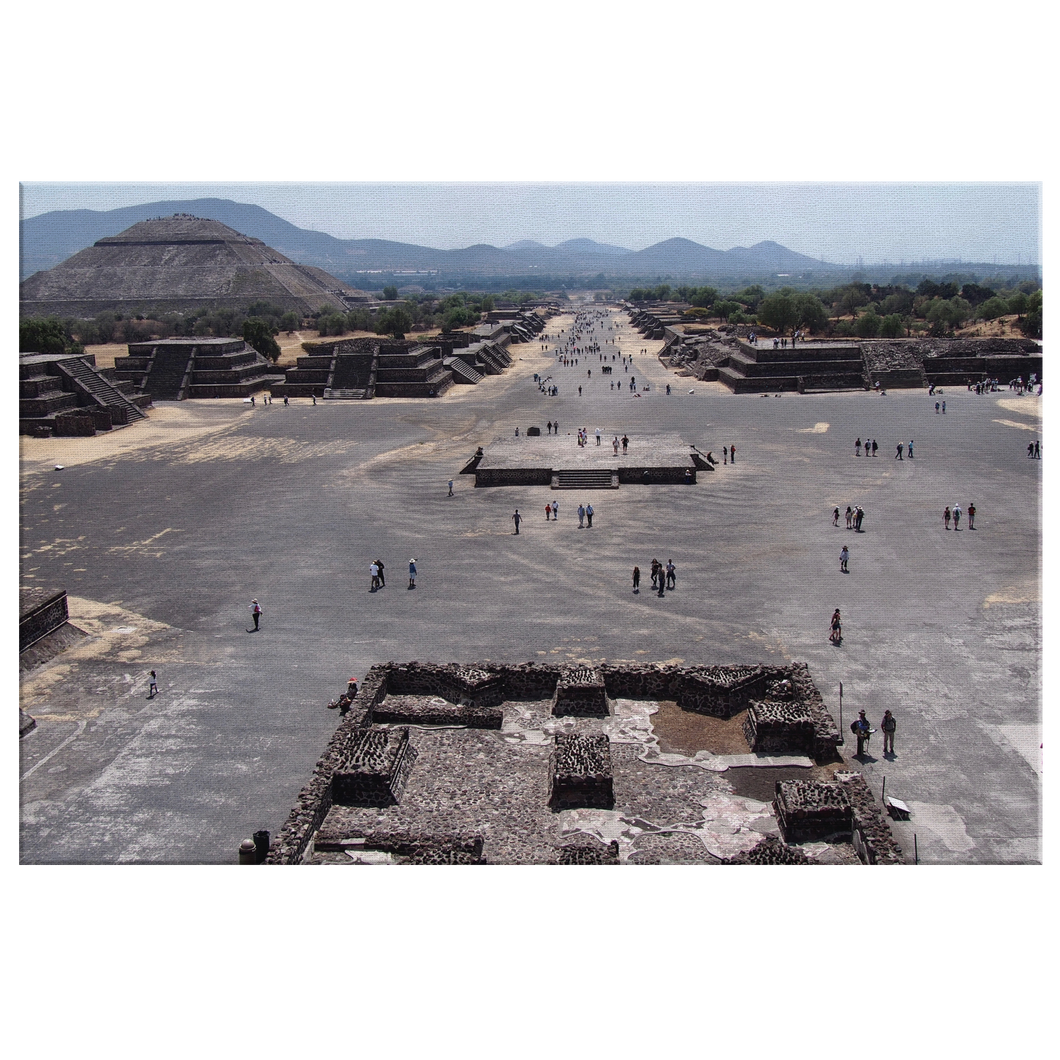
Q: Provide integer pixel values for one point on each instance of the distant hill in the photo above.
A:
(51, 238)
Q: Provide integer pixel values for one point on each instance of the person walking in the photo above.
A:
(548, 427)
(850, 518)
(581, 516)
(732, 454)
(910, 448)
(412, 573)
(671, 575)
(589, 513)
(382, 576)
(724, 454)
(636, 579)
(255, 614)
(450, 487)
(835, 634)
(835, 517)
(971, 516)
(152, 689)
(843, 557)
(946, 516)
(548, 512)
(956, 517)
(614, 444)
(874, 446)
(898, 454)
(374, 571)
(1037, 450)
(597, 435)
(944, 408)
(888, 725)
(857, 446)
(859, 515)
(517, 519)
(625, 443)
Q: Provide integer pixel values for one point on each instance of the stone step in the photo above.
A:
(585, 479)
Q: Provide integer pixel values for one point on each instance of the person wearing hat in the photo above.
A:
(860, 728)
(888, 725)
(412, 573)
(255, 613)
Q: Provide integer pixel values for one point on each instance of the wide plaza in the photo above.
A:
(163, 532)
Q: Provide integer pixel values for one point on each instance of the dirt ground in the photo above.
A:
(684, 732)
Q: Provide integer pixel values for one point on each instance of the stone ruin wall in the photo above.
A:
(478, 689)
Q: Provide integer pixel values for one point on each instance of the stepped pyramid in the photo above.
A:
(176, 264)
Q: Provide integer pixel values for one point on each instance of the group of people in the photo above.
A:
(377, 571)
(954, 513)
(870, 447)
(854, 517)
(862, 731)
(663, 577)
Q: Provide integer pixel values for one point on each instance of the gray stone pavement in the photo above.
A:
(162, 545)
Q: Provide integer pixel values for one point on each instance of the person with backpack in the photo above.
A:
(255, 614)
(888, 725)
(836, 634)
(861, 729)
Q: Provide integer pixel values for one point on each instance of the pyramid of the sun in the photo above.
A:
(176, 264)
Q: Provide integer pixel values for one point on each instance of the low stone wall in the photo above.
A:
(771, 851)
(375, 769)
(877, 845)
(898, 378)
(423, 710)
(513, 476)
(587, 853)
(40, 612)
(652, 476)
(779, 727)
(408, 847)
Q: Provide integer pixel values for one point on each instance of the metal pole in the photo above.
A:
(840, 706)
(883, 793)
(916, 854)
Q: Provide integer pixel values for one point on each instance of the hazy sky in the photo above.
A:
(838, 222)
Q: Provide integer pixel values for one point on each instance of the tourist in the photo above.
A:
(581, 515)
(374, 571)
(589, 515)
(835, 517)
(548, 427)
(861, 729)
(152, 689)
(944, 408)
(671, 575)
(859, 515)
(836, 628)
(956, 517)
(857, 447)
(724, 454)
(732, 454)
(888, 725)
(898, 454)
(548, 511)
(625, 443)
(517, 519)
(555, 510)
(1030, 450)
(412, 573)
(874, 446)
(450, 487)
(946, 516)
(286, 401)
(597, 435)
(1037, 450)
(971, 516)
(843, 557)
(382, 576)
(910, 448)
(614, 442)
(255, 614)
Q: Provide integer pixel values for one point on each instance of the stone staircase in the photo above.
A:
(462, 371)
(585, 479)
(101, 391)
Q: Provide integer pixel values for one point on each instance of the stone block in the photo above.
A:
(779, 727)
(812, 810)
(375, 769)
(580, 773)
(581, 692)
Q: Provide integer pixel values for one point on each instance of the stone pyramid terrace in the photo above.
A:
(559, 462)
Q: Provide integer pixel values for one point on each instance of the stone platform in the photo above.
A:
(558, 461)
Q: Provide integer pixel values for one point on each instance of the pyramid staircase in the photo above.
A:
(87, 381)
(462, 371)
(416, 372)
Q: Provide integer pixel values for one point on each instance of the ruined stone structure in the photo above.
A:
(814, 810)
(361, 369)
(176, 369)
(177, 264)
(723, 354)
(67, 396)
(473, 763)
(44, 628)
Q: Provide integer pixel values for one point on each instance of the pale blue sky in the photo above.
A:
(840, 222)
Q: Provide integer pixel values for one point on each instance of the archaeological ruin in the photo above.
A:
(542, 764)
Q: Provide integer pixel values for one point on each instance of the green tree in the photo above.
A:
(779, 312)
(704, 297)
(725, 308)
(290, 321)
(1018, 304)
(488, 302)
(891, 327)
(867, 326)
(852, 298)
(662, 292)
(900, 302)
(812, 314)
(45, 335)
(750, 296)
(395, 322)
(259, 333)
(992, 308)
(390, 292)
(1031, 324)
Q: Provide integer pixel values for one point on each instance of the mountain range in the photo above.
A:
(50, 238)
